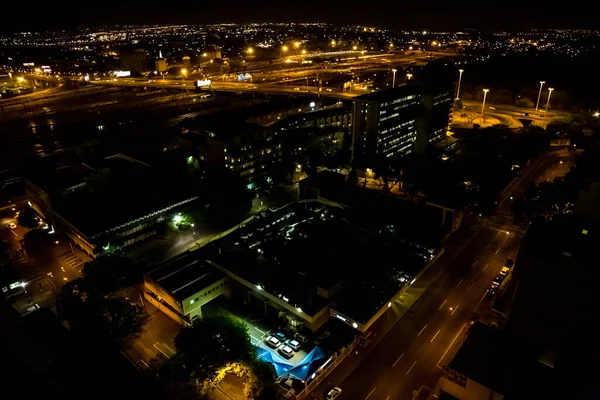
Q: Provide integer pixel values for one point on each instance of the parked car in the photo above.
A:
(272, 342)
(12, 225)
(286, 351)
(294, 344)
(490, 292)
(509, 263)
(504, 271)
(321, 338)
(281, 336)
(333, 393)
(301, 338)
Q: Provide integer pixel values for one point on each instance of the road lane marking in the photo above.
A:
(455, 308)
(474, 264)
(369, 395)
(497, 250)
(486, 265)
(480, 300)
(411, 367)
(461, 281)
(261, 332)
(442, 304)
(159, 349)
(444, 280)
(398, 359)
(450, 345)
(471, 287)
(434, 336)
(388, 398)
(422, 330)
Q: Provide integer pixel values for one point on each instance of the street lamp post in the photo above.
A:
(408, 77)
(394, 79)
(485, 92)
(460, 72)
(547, 103)
(537, 105)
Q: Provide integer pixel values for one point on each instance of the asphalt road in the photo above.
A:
(411, 354)
(407, 362)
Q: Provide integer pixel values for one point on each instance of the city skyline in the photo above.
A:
(406, 14)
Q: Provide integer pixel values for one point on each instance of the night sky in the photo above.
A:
(423, 14)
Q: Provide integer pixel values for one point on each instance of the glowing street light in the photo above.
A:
(460, 72)
(409, 77)
(485, 92)
(285, 48)
(333, 42)
(354, 48)
(184, 71)
(394, 79)
(250, 50)
(539, 95)
(297, 44)
(303, 51)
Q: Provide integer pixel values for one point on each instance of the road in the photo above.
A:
(407, 361)
(510, 115)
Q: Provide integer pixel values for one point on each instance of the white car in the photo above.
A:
(286, 351)
(272, 341)
(294, 344)
(333, 393)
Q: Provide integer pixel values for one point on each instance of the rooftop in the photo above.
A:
(185, 276)
(390, 94)
(103, 194)
(293, 252)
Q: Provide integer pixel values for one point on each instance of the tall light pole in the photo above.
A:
(547, 103)
(537, 105)
(394, 79)
(408, 77)
(485, 92)
(460, 72)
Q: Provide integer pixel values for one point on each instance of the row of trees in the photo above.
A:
(546, 200)
(207, 351)
(96, 306)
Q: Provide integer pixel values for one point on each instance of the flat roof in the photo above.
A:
(390, 94)
(185, 275)
(97, 196)
(296, 250)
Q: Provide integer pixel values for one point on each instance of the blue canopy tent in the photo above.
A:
(302, 370)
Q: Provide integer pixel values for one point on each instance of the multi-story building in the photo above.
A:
(399, 121)
(135, 60)
(247, 149)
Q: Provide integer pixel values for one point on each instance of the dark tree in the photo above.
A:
(28, 219)
(108, 274)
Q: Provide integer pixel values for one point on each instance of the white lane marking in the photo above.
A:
(144, 362)
(497, 250)
(450, 345)
(434, 336)
(261, 332)
(398, 359)
(455, 308)
(486, 265)
(422, 330)
(159, 349)
(480, 300)
(474, 264)
(461, 281)
(442, 304)
(444, 280)
(471, 287)
(369, 395)
(388, 398)
(411, 367)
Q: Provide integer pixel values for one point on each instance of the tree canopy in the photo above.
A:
(28, 218)
(109, 273)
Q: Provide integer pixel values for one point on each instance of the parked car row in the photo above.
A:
(497, 282)
(285, 347)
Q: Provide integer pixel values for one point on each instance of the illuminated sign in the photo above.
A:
(29, 64)
(120, 74)
(202, 83)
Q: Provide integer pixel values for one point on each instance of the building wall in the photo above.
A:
(472, 391)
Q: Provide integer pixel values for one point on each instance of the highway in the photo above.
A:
(510, 115)
(407, 360)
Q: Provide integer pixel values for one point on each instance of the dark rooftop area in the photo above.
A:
(306, 246)
(390, 94)
(185, 275)
(100, 195)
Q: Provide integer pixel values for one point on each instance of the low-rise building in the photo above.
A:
(181, 286)
(109, 203)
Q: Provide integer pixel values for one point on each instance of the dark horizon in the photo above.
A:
(400, 14)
